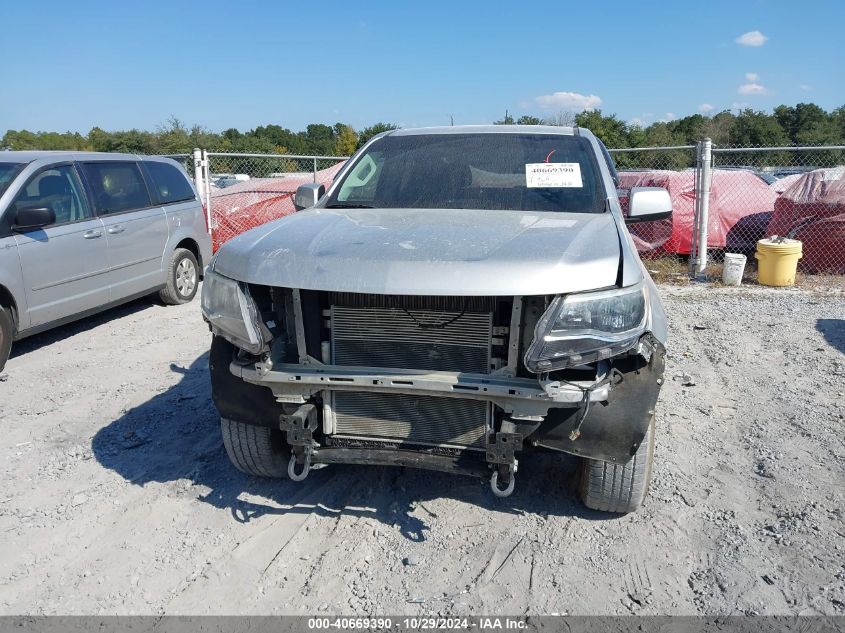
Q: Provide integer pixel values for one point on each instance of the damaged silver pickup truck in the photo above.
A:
(459, 299)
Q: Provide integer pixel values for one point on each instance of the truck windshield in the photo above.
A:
(8, 171)
(522, 172)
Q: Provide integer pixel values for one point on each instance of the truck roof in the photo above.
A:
(488, 129)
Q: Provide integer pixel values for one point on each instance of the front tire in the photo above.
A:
(7, 330)
(618, 488)
(182, 278)
(255, 450)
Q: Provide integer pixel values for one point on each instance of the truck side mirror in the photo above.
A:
(308, 195)
(646, 204)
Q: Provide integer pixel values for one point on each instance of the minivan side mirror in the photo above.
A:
(308, 195)
(646, 204)
(31, 218)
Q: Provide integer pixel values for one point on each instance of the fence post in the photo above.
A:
(703, 197)
(207, 188)
(199, 180)
(315, 169)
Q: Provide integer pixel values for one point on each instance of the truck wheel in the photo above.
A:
(7, 329)
(618, 487)
(255, 450)
(182, 278)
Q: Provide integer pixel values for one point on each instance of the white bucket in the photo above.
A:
(733, 269)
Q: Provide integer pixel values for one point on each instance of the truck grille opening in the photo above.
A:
(432, 334)
(406, 339)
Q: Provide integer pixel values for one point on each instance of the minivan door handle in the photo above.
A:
(90, 235)
(117, 228)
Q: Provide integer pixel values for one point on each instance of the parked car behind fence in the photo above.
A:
(247, 204)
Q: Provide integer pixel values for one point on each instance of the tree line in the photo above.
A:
(174, 137)
(802, 124)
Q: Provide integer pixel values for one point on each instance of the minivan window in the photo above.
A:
(8, 171)
(57, 188)
(169, 184)
(523, 172)
(117, 186)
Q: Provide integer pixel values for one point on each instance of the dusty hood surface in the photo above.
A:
(428, 252)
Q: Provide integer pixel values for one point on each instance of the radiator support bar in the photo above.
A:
(520, 397)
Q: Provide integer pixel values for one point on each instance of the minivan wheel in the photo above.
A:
(7, 330)
(255, 450)
(182, 278)
(618, 487)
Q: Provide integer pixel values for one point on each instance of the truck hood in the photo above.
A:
(428, 252)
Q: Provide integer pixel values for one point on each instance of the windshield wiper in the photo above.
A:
(348, 206)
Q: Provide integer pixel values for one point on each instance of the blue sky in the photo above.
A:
(70, 66)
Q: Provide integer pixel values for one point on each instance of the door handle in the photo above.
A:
(117, 228)
(90, 235)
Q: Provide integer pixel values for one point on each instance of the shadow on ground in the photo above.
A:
(833, 331)
(36, 342)
(175, 436)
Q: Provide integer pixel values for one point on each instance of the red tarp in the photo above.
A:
(813, 210)
(740, 207)
(257, 201)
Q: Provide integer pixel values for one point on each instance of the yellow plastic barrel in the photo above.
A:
(777, 259)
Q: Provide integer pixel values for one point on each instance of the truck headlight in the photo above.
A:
(585, 327)
(228, 307)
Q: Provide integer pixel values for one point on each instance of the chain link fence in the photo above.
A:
(744, 195)
(727, 199)
(243, 191)
(799, 193)
(664, 245)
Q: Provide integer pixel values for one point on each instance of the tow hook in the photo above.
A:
(299, 428)
(306, 467)
(501, 453)
(509, 478)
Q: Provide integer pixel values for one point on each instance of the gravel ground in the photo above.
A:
(117, 497)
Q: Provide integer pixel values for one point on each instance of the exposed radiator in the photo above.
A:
(411, 339)
(405, 335)
(427, 420)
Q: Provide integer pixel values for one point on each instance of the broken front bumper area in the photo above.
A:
(538, 414)
(501, 449)
(520, 398)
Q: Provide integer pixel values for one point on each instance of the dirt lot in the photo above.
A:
(116, 495)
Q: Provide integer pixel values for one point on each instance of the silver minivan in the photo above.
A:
(83, 231)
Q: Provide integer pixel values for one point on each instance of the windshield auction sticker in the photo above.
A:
(553, 175)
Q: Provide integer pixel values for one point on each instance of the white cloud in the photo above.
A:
(805, 87)
(752, 38)
(752, 89)
(704, 108)
(568, 101)
(752, 76)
